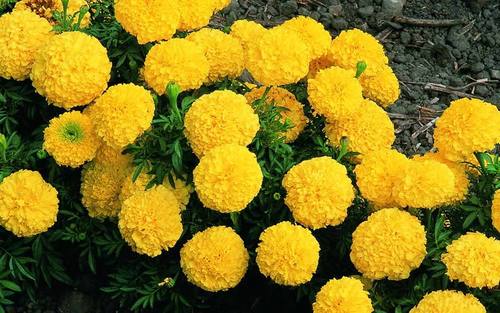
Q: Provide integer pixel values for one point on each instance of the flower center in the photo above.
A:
(41, 7)
(72, 132)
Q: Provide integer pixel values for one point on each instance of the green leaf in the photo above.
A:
(10, 285)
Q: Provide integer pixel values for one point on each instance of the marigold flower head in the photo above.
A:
(218, 118)
(312, 33)
(46, 9)
(224, 53)
(344, 295)
(474, 259)
(293, 110)
(318, 192)
(177, 60)
(368, 130)
(495, 210)
(22, 34)
(466, 126)
(148, 20)
(59, 74)
(382, 88)
(227, 178)
(278, 57)
(288, 254)
(448, 301)
(220, 4)
(195, 14)
(377, 175)
(391, 243)
(150, 221)
(334, 92)
(246, 32)
(122, 114)
(28, 204)
(111, 156)
(70, 139)
(317, 65)
(215, 259)
(353, 46)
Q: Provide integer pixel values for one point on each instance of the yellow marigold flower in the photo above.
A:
(466, 126)
(293, 109)
(278, 57)
(122, 114)
(218, 118)
(352, 46)
(448, 301)
(110, 156)
(46, 8)
(368, 130)
(22, 34)
(195, 14)
(247, 32)
(334, 92)
(70, 139)
(317, 65)
(474, 259)
(377, 174)
(312, 33)
(148, 20)
(215, 259)
(227, 178)
(220, 4)
(150, 221)
(382, 88)
(390, 244)
(318, 192)
(495, 210)
(224, 53)
(288, 254)
(28, 204)
(345, 295)
(424, 184)
(177, 60)
(100, 188)
(59, 74)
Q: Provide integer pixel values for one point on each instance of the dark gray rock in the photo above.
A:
(495, 74)
(289, 7)
(366, 11)
(393, 7)
(339, 23)
(477, 67)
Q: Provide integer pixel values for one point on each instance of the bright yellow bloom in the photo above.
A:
(382, 88)
(110, 156)
(317, 65)
(247, 32)
(495, 210)
(318, 192)
(28, 204)
(148, 20)
(344, 295)
(195, 14)
(22, 34)
(177, 60)
(227, 178)
(122, 114)
(466, 126)
(150, 221)
(474, 259)
(215, 259)
(293, 110)
(334, 92)
(46, 8)
(288, 254)
(218, 118)
(220, 4)
(70, 139)
(448, 301)
(368, 130)
(224, 53)
(312, 33)
(60, 75)
(278, 57)
(353, 46)
(390, 244)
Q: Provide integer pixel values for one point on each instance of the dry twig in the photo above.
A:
(428, 22)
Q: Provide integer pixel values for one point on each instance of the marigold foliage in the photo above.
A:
(59, 74)
(45, 9)
(22, 34)
(278, 44)
(215, 259)
(221, 117)
(312, 33)
(177, 60)
(148, 20)
(474, 259)
(246, 32)
(150, 221)
(344, 295)
(495, 210)
(390, 244)
(28, 204)
(227, 178)
(318, 192)
(288, 254)
(448, 301)
(70, 139)
(293, 110)
(382, 88)
(334, 92)
(466, 126)
(122, 114)
(195, 14)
